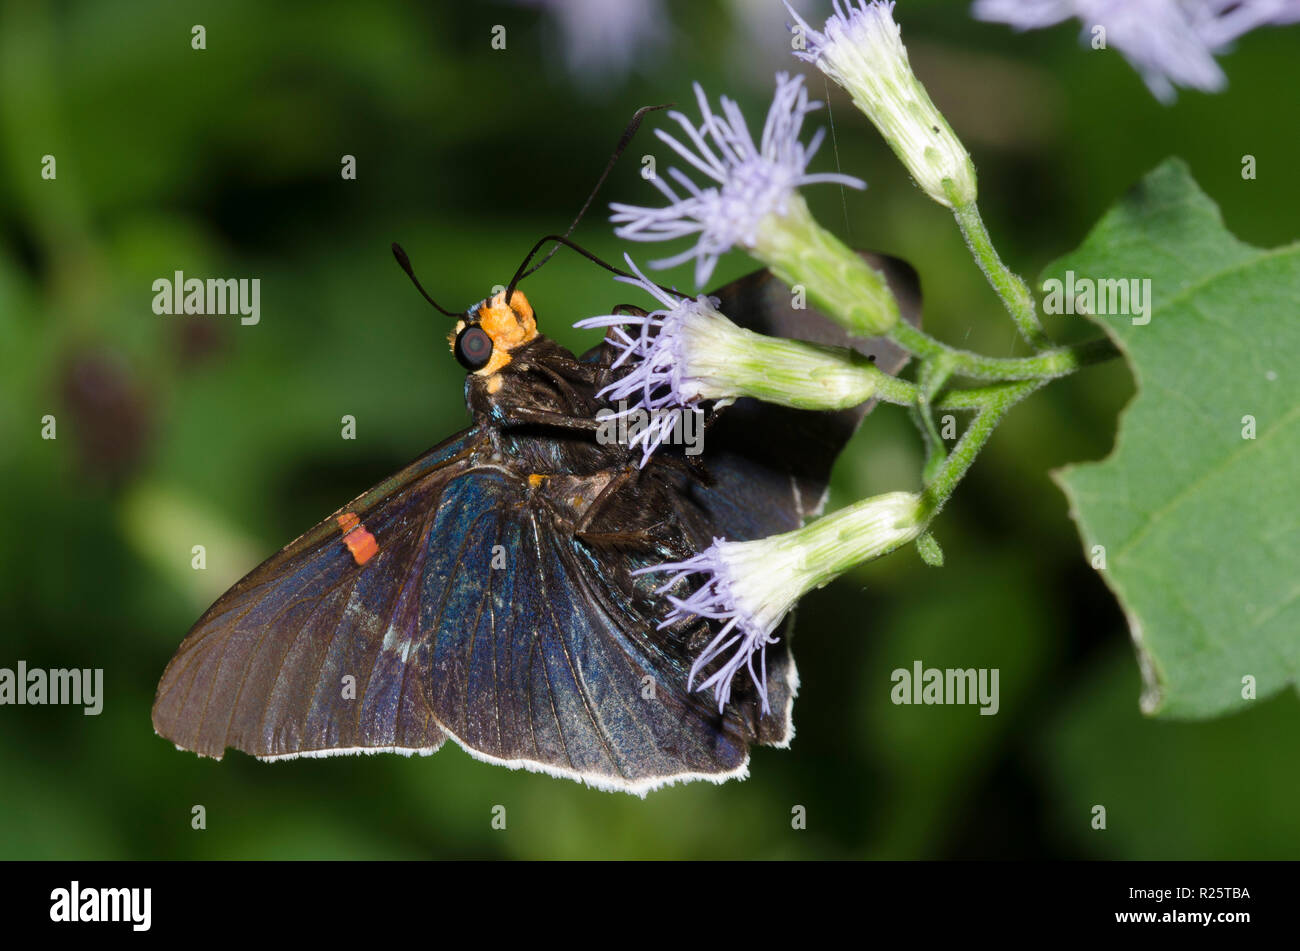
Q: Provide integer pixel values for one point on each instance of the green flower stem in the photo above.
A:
(978, 397)
(871, 528)
(890, 389)
(933, 375)
(994, 402)
(1011, 288)
(839, 282)
(1060, 361)
(855, 295)
(874, 527)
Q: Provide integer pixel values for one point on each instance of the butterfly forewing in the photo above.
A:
(264, 669)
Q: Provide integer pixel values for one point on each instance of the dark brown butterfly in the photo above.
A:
(486, 592)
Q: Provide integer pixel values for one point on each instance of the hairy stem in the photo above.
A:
(1059, 361)
(1014, 292)
(994, 402)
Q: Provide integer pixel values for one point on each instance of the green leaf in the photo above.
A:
(1200, 524)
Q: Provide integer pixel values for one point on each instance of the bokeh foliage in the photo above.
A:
(176, 431)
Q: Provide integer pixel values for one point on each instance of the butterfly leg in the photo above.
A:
(598, 373)
(533, 416)
(633, 538)
(603, 498)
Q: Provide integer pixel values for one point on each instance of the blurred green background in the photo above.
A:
(177, 431)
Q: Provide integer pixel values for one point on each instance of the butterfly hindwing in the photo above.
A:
(545, 661)
(480, 618)
(771, 465)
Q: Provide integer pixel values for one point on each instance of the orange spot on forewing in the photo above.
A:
(360, 542)
(362, 545)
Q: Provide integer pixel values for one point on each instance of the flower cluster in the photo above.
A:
(1169, 42)
(743, 192)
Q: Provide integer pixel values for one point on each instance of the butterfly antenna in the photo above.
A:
(566, 241)
(623, 142)
(405, 263)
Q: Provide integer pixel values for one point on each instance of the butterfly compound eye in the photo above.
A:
(473, 348)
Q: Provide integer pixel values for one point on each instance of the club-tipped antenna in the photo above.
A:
(623, 142)
(566, 241)
(405, 263)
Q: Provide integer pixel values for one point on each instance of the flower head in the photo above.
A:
(1169, 42)
(720, 598)
(689, 351)
(861, 48)
(751, 586)
(603, 40)
(1220, 22)
(748, 181)
(658, 357)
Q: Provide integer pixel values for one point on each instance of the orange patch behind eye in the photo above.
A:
(509, 327)
(360, 542)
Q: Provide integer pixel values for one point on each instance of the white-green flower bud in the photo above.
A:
(861, 48)
(753, 585)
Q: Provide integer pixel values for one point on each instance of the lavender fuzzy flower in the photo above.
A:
(688, 352)
(749, 180)
(657, 380)
(751, 586)
(718, 599)
(1170, 43)
(603, 39)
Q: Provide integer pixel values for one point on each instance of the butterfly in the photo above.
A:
(488, 592)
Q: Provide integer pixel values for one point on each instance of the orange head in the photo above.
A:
(484, 339)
